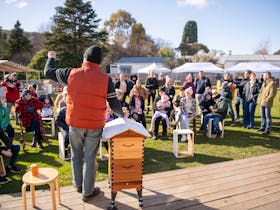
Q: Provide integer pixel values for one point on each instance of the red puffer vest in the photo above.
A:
(87, 95)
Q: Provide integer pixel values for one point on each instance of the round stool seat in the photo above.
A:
(44, 176)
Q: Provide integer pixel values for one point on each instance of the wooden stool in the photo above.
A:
(190, 137)
(44, 176)
(52, 122)
(210, 125)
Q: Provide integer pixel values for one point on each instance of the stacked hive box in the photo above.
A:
(126, 156)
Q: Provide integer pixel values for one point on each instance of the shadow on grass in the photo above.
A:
(241, 138)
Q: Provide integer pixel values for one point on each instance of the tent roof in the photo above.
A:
(207, 67)
(141, 60)
(9, 66)
(154, 67)
(254, 66)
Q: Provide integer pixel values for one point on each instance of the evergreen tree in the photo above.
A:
(3, 37)
(17, 45)
(190, 32)
(75, 29)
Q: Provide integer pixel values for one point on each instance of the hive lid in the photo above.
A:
(121, 125)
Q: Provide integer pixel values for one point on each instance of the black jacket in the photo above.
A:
(205, 104)
(201, 84)
(151, 83)
(60, 119)
(251, 93)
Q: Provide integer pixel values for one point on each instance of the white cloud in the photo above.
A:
(21, 4)
(10, 1)
(17, 3)
(193, 3)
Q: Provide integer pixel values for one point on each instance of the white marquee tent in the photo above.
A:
(257, 67)
(154, 67)
(207, 67)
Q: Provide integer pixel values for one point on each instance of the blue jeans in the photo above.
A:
(245, 113)
(15, 150)
(84, 146)
(238, 101)
(185, 121)
(266, 118)
(216, 121)
(252, 108)
(231, 112)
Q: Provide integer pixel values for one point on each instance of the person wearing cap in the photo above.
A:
(12, 90)
(219, 113)
(27, 108)
(205, 104)
(88, 90)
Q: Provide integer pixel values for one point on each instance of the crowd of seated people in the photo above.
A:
(211, 102)
(156, 94)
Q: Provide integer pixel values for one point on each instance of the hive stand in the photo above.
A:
(125, 164)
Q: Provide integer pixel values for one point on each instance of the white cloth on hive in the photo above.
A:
(121, 125)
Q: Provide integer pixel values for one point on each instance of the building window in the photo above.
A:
(126, 69)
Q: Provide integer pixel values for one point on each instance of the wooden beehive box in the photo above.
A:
(126, 154)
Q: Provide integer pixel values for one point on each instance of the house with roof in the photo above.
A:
(131, 65)
(231, 60)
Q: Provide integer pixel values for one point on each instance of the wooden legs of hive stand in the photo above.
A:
(140, 198)
(112, 203)
(113, 198)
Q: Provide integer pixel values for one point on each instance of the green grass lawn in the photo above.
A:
(238, 143)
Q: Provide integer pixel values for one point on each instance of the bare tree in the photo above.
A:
(263, 47)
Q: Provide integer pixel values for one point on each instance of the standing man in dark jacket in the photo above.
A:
(240, 87)
(201, 83)
(151, 85)
(88, 90)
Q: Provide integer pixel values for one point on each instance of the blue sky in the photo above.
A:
(236, 25)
